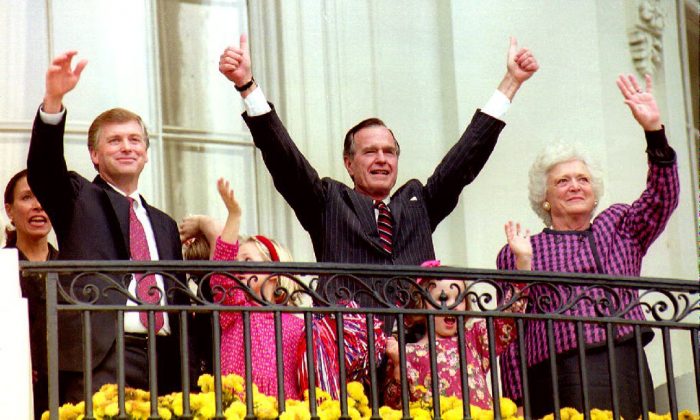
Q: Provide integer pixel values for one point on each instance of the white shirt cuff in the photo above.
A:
(51, 119)
(256, 103)
(497, 105)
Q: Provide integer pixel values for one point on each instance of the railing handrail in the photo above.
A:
(302, 268)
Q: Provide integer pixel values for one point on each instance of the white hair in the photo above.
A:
(548, 158)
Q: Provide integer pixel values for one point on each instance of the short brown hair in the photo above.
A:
(114, 115)
(349, 143)
(197, 248)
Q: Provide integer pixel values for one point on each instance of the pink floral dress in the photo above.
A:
(447, 353)
(262, 335)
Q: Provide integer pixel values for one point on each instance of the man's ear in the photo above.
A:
(94, 158)
(347, 160)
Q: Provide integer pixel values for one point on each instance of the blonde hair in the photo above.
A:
(283, 254)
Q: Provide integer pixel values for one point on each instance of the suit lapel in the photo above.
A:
(396, 207)
(120, 207)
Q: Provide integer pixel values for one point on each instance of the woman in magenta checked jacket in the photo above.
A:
(564, 191)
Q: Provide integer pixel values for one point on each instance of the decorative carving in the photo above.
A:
(645, 39)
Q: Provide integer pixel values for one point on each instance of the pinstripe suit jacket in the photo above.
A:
(341, 221)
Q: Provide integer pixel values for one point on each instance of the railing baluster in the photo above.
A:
(185, 363)
(340, 328)
(695, 338)
(308, 326)
(527, 410)
(279, 362)
(581, 345)
(464, 371)
(216, 361)
(670, 378)
(248, 367)
(435, 380)
(612, 369)
(121, 374)
(152, 363)
(87, 364)
(553, 366)
(493, 363)
(52, 341)
(405, 396)
(641, 372)
(371, 346)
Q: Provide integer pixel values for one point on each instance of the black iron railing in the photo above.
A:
(387, 294)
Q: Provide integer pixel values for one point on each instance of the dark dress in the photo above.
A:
(34, 290)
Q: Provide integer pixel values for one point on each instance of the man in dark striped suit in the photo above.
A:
(342, 220)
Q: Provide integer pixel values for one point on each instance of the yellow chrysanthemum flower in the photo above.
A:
(485, 415)
(206, 383)
(236, 411)
(388, 413)
(421, 414)
(112, 409)
(597, 414)
(356, 391)
(233, 382)
(508, 408)
(165, 413)
(265, 408)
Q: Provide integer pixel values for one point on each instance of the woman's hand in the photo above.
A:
(519, 243)
(642, 104)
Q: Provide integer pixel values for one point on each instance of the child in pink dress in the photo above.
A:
(263, 350)
(446, 340)
(228, 291)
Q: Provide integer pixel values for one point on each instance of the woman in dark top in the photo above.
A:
(564, 191)
(30, 237)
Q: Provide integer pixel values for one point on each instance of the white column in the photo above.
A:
(15, 357)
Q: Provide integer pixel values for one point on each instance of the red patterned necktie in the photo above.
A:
(385, 225)
(138, 246)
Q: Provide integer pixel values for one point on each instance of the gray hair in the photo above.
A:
(548, 158)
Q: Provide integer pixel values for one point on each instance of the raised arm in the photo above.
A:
(48, 174)
(292, 174)
(647, 216)
(61, 78)
(464, 161)
(233, 220)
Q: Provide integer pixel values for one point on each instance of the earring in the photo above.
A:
(595, 203)
(546, 206)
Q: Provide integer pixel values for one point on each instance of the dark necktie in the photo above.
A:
(385, 225)
(138, 247)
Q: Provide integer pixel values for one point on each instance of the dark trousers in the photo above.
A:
(136, 369)
(599, 388)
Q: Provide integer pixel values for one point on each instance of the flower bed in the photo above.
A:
(202, 405)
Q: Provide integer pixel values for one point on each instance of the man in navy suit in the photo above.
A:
(342, 221)
(94, 221)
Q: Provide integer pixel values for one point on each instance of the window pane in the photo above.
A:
(191, 171)
(192, 35)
